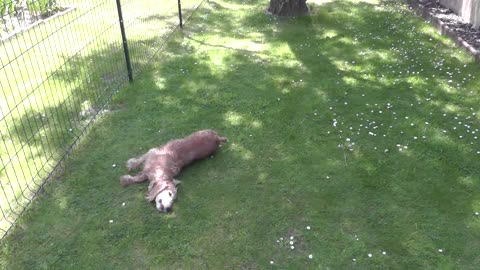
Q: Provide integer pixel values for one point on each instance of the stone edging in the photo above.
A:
(443, 28)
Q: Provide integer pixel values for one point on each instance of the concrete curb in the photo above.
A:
(443, 28)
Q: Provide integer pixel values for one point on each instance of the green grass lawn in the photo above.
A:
(359, 122)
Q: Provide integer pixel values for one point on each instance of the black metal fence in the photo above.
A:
(60, 64)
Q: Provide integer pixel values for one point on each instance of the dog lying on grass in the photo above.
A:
(162, 164)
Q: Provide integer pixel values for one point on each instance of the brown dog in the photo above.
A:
(162, 164)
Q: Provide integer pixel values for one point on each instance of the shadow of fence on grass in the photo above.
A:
(81, 64)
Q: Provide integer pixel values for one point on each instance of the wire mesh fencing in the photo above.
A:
(60, 64)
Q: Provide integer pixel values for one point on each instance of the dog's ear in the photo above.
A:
(153, 189)
(176, 182)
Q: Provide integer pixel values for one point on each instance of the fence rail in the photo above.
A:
(60, 64)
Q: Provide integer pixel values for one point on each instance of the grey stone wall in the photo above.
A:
(467, 9)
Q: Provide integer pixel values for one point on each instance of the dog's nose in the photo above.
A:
(168, 209)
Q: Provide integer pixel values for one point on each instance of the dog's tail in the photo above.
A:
(133, 163)
(222, 139)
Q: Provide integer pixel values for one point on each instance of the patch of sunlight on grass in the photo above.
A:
(364, 70)
(447, 42)
(416, 81)
(468, 181)
(384, 55)
(441, 138)
(262, 178)
(256, 124)
(447, 88)
(233, 118)
(243, 152)
(339, 64)
(451, 108)
(369, 77)
(348, 41)
(62, 203)
(350, 81)
(330, 33)
(160, 82)
(281, 51)
(427, 29)
(321, 94)
(217, 61)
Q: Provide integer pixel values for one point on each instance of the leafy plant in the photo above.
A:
(6, 7)
(42, 8)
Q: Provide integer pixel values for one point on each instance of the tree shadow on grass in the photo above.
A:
(399, 197)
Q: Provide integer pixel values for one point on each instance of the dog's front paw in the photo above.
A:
(125, 180)
(130, 164)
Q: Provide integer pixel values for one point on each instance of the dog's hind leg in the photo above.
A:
(128, 179)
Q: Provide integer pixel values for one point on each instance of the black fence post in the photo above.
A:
(180, 13)
(124, 40)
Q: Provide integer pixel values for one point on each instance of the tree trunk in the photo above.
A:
(288, 7)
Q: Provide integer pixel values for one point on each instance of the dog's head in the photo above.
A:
(164, 199)
(163, 193)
